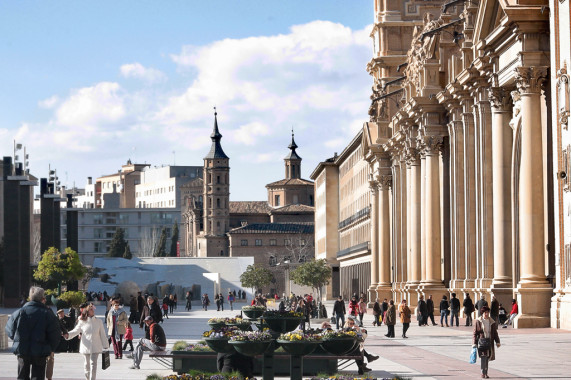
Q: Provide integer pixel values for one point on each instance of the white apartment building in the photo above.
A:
(160, 186)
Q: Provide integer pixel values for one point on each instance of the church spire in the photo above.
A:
(292, 160)
(216, 149)
(292, 146)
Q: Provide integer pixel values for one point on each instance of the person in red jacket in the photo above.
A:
(354, 306)
(128, 337)
(513, 314)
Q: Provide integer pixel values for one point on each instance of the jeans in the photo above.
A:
(443, 317)
(90, 366)
(454, 314)
(144, 345)
(468, 319)
(405, 327)
(339, 317)
(484, 364)
(38, 364)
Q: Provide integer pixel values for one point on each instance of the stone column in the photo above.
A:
(404, 248)
(374, 243)
(502, 141)
(433, 236)
(533, 290)
(414, 264)
(422, 218)
(384, 289)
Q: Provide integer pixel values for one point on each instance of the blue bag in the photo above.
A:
(473, 355)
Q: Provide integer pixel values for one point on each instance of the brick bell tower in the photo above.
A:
(216, 197)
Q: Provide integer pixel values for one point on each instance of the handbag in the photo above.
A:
(333, 319)
(484, 344)
(473, 355)
(105, 360)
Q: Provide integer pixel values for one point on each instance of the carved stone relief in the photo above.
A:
(531, 79)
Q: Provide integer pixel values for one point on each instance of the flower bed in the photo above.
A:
(182, 346)
(298, 336)
(251, 336)
(253, 312)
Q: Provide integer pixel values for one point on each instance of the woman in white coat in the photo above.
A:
(93, 338)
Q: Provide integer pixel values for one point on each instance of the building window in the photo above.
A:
(302, 242)
(273, 242)
(295, 200)
(244, 243)
(258, 242)
(217, 202)
(311, 200)
(287, 242)
(276, 200)
(217, 179)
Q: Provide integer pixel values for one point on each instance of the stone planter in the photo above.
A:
(300, 348)
(338, 346)
(216, 325)
(253, 314)
(251, 348)
(220, 345)
(282, 325)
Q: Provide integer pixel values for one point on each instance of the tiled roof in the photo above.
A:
(293, 181)
(273, 228)
(293, 208)
(249, 207)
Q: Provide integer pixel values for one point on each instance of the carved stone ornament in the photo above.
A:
(563, 96)
(530, 80)
(385, 182)
(433, 145)
(516, 97)
(500, 99)
(412, 157)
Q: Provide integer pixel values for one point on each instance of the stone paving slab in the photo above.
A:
(430, 352)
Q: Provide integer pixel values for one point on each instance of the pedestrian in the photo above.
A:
(217, 300)
(404, 313)
(495, 309)
(132, 309)
(354, 306)
(165, 307)
(239, 293)
(140, 306)
(503, 316)
(151, 309)
(36, 334)
(377, 313)
(205, 302)
(430, 309)
(93, 339)
(362, 310)
(128, 337)
(468, 309)
(175, 299)
(454, 310)
(485, 334)
(116, 325)
(422, 311)
(390, 319)
(339, 311)
(221, 300)
(154, 341)
(512, 315)
(188, 298)
(481, 303)
(171, 304)
(231, 300)
(444, 311)
(384, 308)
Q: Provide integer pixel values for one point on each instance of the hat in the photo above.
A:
(149, 318)
(60, 311)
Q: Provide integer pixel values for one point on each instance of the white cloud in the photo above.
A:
(136, 70)
(49, 103)
(247, 134)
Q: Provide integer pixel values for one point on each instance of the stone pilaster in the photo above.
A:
(373, 186)
(533, 291)
(384, 289)
(414, 264)
(502, 141)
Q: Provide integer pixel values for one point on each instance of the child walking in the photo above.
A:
(128, 337)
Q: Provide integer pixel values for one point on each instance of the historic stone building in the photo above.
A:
(468, 151)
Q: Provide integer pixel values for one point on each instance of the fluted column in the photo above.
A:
(502, 141)
(414, 264)
(432, 146)
(374, 242)
(533, 292)
(384, 285)
(402, 260)
(422, 218)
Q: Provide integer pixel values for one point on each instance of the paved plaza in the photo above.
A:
(431, 352)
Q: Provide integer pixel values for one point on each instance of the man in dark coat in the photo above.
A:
(151, 309)
(430, 310)
(140, 305)
(454, 310)
(339, 311)
(422, 311)
(468, 309)
(480, 304)
(36, 334)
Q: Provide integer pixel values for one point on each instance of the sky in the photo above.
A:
(87, 85)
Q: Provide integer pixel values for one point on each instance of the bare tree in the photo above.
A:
(297, 248)
(149, 240)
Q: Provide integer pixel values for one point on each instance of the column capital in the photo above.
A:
(530, 80)
(500, 99)
(412, 157)
(432, 145)
(385, 182)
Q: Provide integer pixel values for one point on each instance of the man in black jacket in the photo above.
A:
(454, 310)
(339, 311)
(422, 312)
(36, 333)
(430, 309)
(151, 309)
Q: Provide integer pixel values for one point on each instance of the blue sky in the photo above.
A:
(86, 85)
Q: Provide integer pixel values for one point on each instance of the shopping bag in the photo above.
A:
(473, 355)
(105, 360)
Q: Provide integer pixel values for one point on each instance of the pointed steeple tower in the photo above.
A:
(216, 149)
(216, 188)
(292, 160)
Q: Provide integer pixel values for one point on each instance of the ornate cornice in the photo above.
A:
(500, 99)
(530, 80)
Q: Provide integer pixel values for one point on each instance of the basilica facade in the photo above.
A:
(468, 154)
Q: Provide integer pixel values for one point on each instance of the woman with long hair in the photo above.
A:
(116, 326)
(93, 338)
